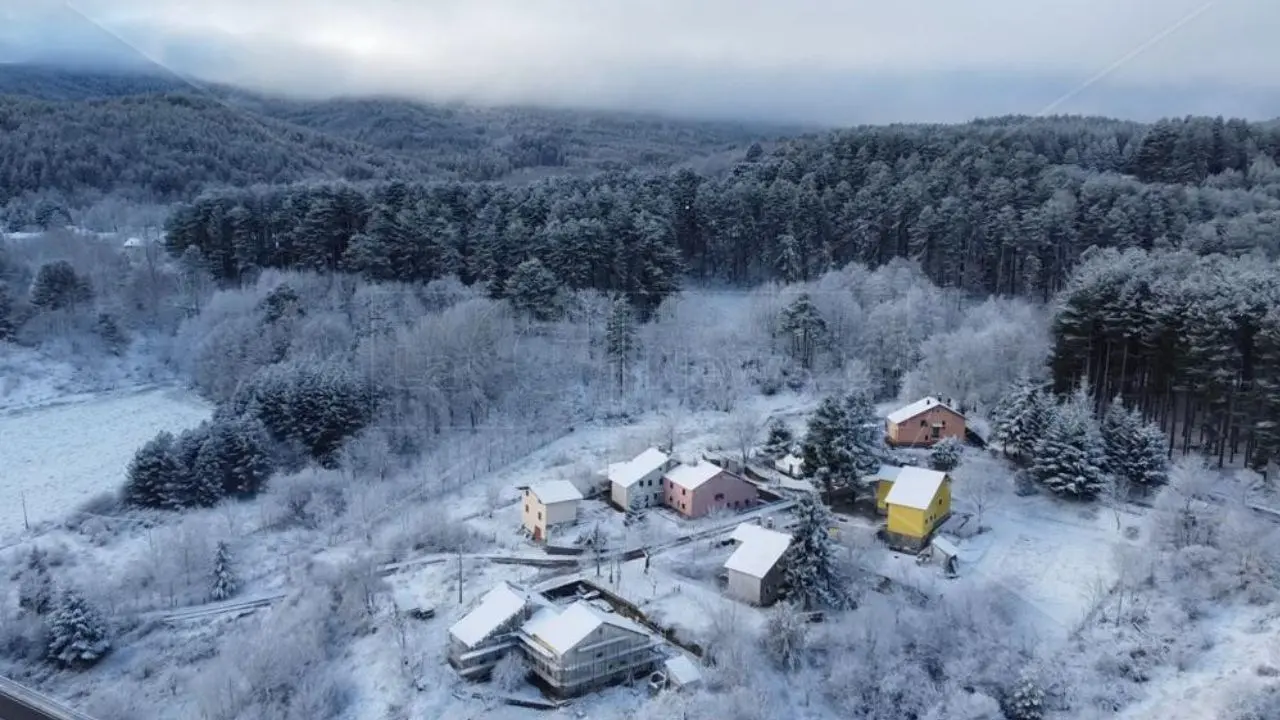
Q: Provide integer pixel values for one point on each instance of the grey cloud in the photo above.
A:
(830, 61)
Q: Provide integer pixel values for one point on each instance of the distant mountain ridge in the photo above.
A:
(78, 135)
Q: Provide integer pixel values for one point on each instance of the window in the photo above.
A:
(924, 423)
(719, 497)
(526, 507)
(539, 514)
(683, 491)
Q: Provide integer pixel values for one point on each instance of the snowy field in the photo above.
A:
(60, 454)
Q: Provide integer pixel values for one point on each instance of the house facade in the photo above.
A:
(755, 570)
(923, 423)
(918, 502)
(637, 483)
(549, 504)
(581, 648)
(695, 490)
(488, 631)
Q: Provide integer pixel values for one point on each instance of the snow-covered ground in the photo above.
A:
(31, 378)
(60, 454)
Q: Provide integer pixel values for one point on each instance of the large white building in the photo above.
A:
(637, 483)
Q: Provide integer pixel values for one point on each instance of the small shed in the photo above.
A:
(883, 480)
(681, 673)
(944, 552)
(790, 465)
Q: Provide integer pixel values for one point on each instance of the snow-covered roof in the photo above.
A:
(681, 671)
(692, 477)
(629, 473)
(133, 242)
(796, 484)
(759, 550)
(945, 546)
(539, 619)
(789, 463)
(888, 472)
(904, 414)
(497, 607)
(555, 491)
(566, 629)
(915, 487)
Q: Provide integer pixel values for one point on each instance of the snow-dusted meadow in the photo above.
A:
(62, 453)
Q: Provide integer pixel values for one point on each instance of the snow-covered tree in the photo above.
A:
(1026, 701)
(224, 583)
(1070, 458)
(780, 440)
(152, 471)
(620, 340)
(8, 321)
(78, 635)
(1136, 449)
(813, 570)
(57, 286)
(510, 673)
(35, 587)
(804, 329)
(109, 332)
(1021, 418)
(534, 291)
(236, 456)
(844, 441)
(946, 454)
(785, 635)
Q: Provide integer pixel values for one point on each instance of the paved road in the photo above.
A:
(21, 703)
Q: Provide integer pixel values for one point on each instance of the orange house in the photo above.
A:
(923, 423)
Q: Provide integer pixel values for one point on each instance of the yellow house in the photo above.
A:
(883, 480)
(918, 501)
(549, 504)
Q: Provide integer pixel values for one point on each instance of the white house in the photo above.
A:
(481, 637)
(549, 504)
(637, 483)
(581, 648)
(755, 569)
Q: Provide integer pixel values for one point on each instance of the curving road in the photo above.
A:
(22, 703)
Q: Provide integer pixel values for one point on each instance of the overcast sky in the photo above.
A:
(822, 61)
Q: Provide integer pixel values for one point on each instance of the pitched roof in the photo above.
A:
(692, 477)
(915, 488)
(907, 412)
(568, 628)
(630, 472)
(497, 607)
(789, 463)
(888, 472)
(759, 550)
(554, 491)
(945, 546)
(682, 671)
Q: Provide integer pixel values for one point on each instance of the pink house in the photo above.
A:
(695, 490)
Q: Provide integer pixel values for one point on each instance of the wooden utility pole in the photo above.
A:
(459, 577)
(26, 523)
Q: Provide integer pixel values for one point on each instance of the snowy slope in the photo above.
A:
(60, 454)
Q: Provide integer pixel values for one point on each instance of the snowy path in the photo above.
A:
(58, 455)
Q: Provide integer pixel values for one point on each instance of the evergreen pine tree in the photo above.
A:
(224, 581)
(57, 286)
(109, 332)
(8, 323)
(620, 340)
(1135, 448)
(864, 434)
(1070, 458)
(805, 329)
(825, 449)
(1020, 418)
(812, 572)
(151, 473)
(35, 588)
(780, 440)
(534, 291)
(945, 455)
(1026, 702)
(235, 457)
(188, 488)
(78, 635)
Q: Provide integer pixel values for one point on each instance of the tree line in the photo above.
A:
(1192, 341)
(1003, 206)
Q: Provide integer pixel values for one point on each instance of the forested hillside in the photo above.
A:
(1001, 206)
(1192, 341)
(70, 139)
